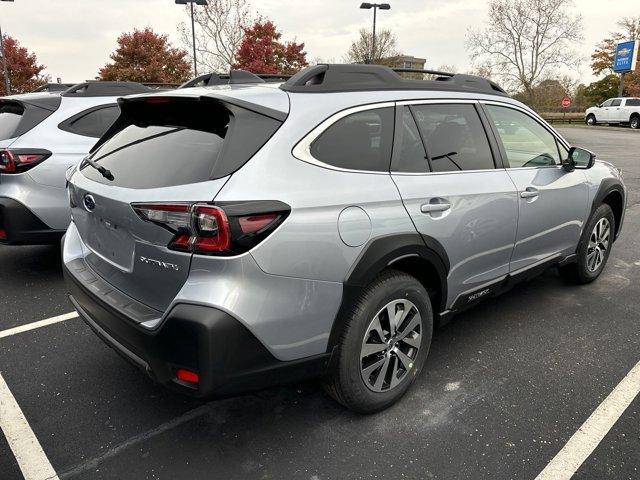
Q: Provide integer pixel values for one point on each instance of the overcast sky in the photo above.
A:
(74, 38)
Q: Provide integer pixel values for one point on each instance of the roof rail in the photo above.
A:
(357, 77)
(234, 77)
(96, 88)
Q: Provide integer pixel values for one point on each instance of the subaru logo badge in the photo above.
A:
(89, 203)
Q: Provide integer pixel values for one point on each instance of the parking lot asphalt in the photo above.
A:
(505, 386)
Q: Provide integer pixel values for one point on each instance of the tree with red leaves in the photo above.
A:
(25, 74)
(262, 52)
(145, 56)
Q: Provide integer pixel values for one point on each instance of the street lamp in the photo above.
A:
(193, 28)
(7, 83)
(375, 6)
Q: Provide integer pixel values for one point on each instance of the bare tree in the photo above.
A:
(525, 40)
(386, 52)
(220, 26)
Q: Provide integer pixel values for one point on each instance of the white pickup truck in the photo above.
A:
(615, 110)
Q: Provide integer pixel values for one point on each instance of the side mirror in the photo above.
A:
(579, 158)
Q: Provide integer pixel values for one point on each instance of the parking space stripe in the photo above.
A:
(32, 460)
(594, 429)
(38, 324)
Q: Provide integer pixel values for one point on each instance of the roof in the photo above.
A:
(331, 78)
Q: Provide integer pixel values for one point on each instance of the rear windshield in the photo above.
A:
(10, 116)
(17, 117)
(155, 145)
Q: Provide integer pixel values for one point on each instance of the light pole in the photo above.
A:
(375, 6)
(7, 82)
(193, 28)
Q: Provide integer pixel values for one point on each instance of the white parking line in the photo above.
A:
(38, 324)
(591, 433)
(33, 462)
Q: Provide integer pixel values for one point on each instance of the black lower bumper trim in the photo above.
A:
(228, 358)
(23, 227)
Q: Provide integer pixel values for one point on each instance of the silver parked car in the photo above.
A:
(230, 237)
(41, 136)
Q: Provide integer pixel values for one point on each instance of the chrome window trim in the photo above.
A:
(302, 150)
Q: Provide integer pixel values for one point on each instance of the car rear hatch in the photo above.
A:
(18, 115)
(163, 155)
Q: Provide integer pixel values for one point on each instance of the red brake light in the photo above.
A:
(188, 376)
(18, 161)
(208, 229)
(3, 234)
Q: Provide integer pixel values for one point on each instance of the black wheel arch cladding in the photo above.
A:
(383, 252)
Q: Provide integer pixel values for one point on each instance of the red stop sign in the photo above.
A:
(566, 102)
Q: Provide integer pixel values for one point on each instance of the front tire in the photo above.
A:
(591, 120)
(594, 247)
(384, 343)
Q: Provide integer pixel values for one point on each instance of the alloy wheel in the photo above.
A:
(391, 345)
(598, 244)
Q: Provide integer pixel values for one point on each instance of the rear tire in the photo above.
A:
(594, 247)
(591, 120)
(378, 361)
(635, 122)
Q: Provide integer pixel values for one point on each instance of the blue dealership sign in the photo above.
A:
(623, 61)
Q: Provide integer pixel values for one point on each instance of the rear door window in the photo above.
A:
(161, 144)
(93, 122)
(10, 116)
(454, 137)
(633, 102)
(616, 103)
(360, 141)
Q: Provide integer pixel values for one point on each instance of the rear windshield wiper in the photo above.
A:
(103, 171)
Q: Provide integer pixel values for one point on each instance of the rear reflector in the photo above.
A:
(188, 376)
(3, 234)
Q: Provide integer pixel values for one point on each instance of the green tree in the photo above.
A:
(598, 92)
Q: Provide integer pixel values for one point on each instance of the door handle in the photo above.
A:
(530, 192)
(434, 207)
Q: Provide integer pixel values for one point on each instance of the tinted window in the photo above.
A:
(360, 141)
(525, 141)
(94, 123)
(161, 144)
(10, 116)
(633, 102)
(616, 103)
(454, 136)
(607, 103)
(409, 151)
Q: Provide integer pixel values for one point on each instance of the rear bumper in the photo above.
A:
(20, 226)
(227, 357)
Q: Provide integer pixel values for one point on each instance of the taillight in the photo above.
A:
(21, 160)
(214, 229)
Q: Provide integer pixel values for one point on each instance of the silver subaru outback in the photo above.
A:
(232, 237)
